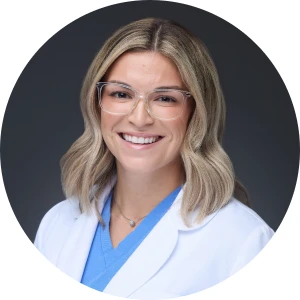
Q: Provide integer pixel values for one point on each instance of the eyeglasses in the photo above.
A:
(120, 99)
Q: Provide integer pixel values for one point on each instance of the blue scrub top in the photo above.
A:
(104, 261)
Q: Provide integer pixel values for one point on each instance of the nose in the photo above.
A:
(140, 116)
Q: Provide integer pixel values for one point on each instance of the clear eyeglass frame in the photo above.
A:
(139, 96)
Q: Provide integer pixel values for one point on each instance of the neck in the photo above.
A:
(138, 193)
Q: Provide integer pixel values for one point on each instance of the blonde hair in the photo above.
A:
(89, 165)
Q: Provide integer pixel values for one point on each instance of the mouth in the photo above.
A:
(140, 140)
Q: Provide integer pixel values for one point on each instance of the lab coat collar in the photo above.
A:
(177, 219)
(174, 210)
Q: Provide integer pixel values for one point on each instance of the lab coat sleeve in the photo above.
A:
(254, 243)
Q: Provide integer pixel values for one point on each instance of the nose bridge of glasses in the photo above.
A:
(140, 96)
(143, 97)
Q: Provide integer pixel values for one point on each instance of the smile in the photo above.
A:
(140, 140)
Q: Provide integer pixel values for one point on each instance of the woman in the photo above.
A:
(150, 210)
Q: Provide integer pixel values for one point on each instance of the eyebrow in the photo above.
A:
(173, 87)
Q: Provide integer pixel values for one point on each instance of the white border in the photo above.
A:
(27, 25)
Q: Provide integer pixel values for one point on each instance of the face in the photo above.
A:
(144, 72)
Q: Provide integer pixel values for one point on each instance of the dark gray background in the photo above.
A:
(43, 116)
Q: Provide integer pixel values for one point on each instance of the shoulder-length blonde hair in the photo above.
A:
(89, 165)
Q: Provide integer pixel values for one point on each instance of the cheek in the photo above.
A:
(178, 129)
(107, 124)
(103, 126)
(182, 125)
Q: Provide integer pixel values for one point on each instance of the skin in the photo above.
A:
(145, 176)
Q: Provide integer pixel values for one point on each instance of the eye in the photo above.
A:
(121, 95)
(166, 99)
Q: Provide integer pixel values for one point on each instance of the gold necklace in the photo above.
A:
(131, 222)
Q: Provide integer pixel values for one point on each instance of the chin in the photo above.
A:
(140, 166)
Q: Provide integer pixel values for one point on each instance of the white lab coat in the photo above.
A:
(172, 261)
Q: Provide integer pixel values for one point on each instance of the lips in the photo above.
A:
(140, 138)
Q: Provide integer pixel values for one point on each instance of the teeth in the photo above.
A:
(139, 140)
(127, 137)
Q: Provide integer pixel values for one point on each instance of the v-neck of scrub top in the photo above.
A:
(104, 261)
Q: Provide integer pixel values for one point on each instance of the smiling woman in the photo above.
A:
(148, 183)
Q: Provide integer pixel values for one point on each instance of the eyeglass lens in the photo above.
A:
(117, 99)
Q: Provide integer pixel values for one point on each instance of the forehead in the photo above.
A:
(145, 71)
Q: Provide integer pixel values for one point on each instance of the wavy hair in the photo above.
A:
(90, 166)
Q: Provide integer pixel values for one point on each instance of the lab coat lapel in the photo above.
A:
(146, 260)
(75, 251)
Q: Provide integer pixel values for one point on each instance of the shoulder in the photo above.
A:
(247, 232)
(241, 219)
(62, 216)
(67, 209)
(241, 234)
(233, 236)
(233, 218)
(239, 224)
(235, 229)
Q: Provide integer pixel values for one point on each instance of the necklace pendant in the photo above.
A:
(131, 223)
